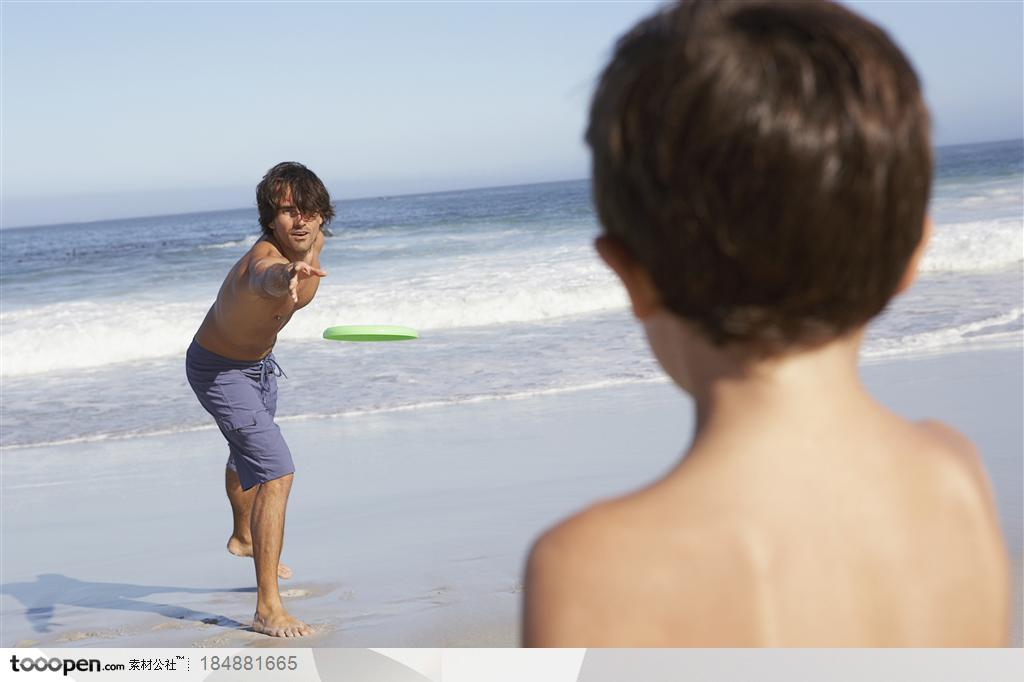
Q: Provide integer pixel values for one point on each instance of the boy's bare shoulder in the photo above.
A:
(954, 443)
(963, 476)
(622, 573)
(568, 575)
(974, 514)
(955, 459)
(585, 546)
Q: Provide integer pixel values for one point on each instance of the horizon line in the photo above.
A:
(334, 202)
(387, 196)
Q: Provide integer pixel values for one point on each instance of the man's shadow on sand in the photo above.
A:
(50, 590)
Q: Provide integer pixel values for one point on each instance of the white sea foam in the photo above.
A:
(1001, 330)
(1000, 327)
(984, 245)
(499, 287)
(437, 303)
(83, 334)
(404, 241)
(86, 334)
(236, 244)
(456, 294)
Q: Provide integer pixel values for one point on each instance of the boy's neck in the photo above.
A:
(731, 388)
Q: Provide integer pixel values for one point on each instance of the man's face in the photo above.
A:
(293, 229)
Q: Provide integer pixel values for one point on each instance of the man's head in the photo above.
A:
(766, 164)
(290, 190)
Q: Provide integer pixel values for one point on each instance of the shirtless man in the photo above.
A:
(231, 367)
(761, 170)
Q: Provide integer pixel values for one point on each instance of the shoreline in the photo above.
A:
(405, 528)
(1007, 341)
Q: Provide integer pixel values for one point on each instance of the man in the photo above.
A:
(231, 367)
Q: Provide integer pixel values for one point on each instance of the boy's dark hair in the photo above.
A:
(308, 194)
(768, 163)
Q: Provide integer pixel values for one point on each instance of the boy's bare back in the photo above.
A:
(862, 531)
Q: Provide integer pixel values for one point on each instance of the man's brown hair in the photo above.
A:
(308, 194)
(768, 163)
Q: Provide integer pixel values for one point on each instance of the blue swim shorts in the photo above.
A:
(242, 397)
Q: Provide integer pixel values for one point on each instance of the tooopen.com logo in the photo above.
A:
(85, 665)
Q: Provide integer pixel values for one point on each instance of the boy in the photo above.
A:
(762, 170)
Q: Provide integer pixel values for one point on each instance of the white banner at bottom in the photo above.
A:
(511, 665)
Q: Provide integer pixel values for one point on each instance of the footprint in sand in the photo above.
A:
(220, 642)
(230, 639)
(175, 625)
(435, 596)
(296, 593)
(79, 636)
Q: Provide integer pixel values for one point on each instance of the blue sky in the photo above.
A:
(120, 109)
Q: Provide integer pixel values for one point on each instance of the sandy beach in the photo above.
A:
(406, 528)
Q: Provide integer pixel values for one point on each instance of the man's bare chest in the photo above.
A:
(285, 307)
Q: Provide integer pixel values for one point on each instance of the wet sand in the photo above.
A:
(405, 529)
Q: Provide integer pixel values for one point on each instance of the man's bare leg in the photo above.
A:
(268, 510)
(240, 542)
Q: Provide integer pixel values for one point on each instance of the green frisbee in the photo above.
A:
(372, 332)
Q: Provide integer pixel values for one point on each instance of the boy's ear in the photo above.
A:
(642, 294)
(910, 273)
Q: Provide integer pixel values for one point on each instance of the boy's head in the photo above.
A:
(767, 164)
(291, 179)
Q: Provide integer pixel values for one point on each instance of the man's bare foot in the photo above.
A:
(280, 625)
(239, 548)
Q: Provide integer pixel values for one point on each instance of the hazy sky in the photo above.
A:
(120, 109)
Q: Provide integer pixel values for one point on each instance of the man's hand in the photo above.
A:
(273, 276)
(298, 271)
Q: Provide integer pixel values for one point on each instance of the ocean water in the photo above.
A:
(503, 284)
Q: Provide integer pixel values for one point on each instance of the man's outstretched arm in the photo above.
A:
(275, 277)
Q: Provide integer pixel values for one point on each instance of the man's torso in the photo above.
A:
(243, 324)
